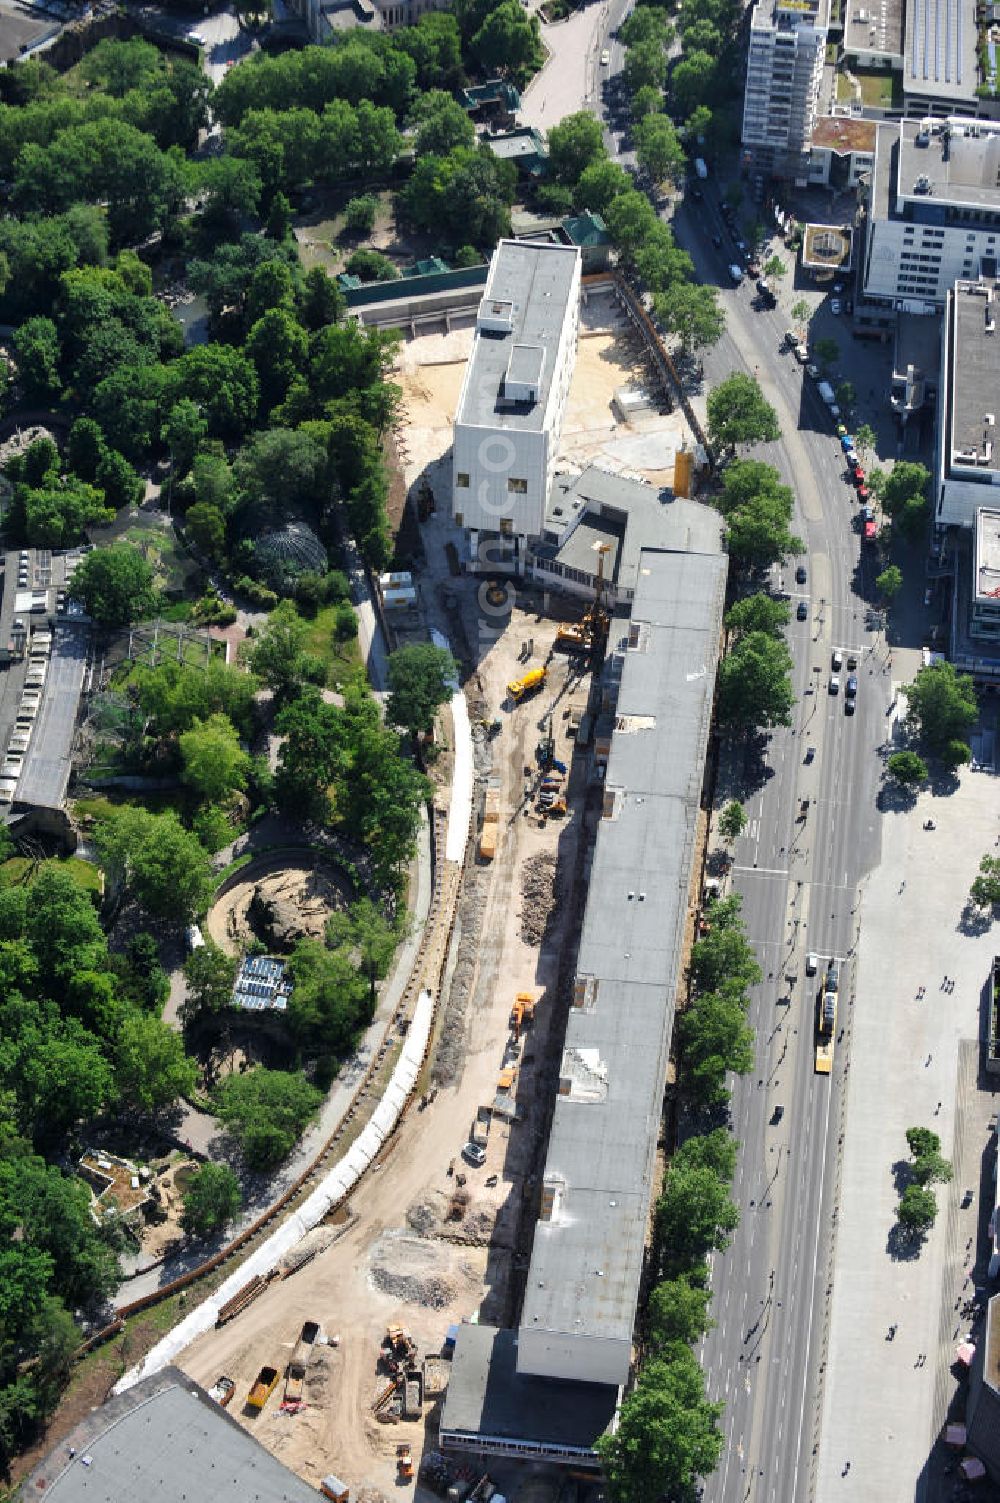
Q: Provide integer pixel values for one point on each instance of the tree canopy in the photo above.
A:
(941, 706)
(738, 413)
(421, 679)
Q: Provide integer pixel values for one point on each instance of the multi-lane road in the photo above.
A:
(798, 875)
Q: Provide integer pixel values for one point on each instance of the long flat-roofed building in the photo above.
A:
(511, 406)
(582, 1286)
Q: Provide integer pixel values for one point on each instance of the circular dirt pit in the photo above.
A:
(297, 898)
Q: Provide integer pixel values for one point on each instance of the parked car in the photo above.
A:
(605, 58)
(834, 683)
(717, 241)
(802, 610)
(800, 574)
(474, 1154)
(835, 305)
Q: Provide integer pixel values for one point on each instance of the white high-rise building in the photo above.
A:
(511, 406)
(784, 72)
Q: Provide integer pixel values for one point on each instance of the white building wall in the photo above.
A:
(580, 1359)
(780, 103)
(502, 474)
(500, 479)
(919, 261)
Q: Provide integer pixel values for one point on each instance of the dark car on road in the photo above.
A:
(800, 574)
(802, 610)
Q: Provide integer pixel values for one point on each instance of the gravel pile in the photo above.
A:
(414, 1270)
(538, 896)
(422, 1219)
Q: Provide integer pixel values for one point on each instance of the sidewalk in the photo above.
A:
(913, 1062)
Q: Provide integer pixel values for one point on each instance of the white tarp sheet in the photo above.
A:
(460, 812)
(334, 1185)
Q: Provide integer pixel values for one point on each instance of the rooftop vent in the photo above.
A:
(495, 316)
(922, 184)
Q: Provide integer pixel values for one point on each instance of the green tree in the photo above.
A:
(715, 1150)
(575, 144)
(36, 345)
(917, 1209)
(62, 928)
(827, 352)
(732, 821)
(266, 1111)
(421, 678)
(441, 123)
(694, 1216)
(115, 585)
(279, 347)
(678, 1310)
(846, 394)
(213, 764)
(206, 527)
(119, 481)
(692, 312)
(738, 413)
(715, 1038)
(151, 1068)
(360, 212)
(183, 433)
(277, 650)
(904, 482)
(85, 448)
(758, 612)
(210, 975)
(212, 1199)
(757, 534)
(889, 582)
(330, 998)
(754, 685)
(599, 184)
(367, 934)
(942, 705)
(313, 755)
(723, 958)
(371, 266)
(865, 438)
(667, 1435)
(152, 856)
(691, 82)
(801, 312)
(222, 381)
(774, 268)
(322, 299)
(932, 1168)
(509, 39)
(907, 768)
(985, 889)
(921, 1142)
(658, 149)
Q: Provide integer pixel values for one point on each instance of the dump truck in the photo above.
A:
(481, 1127)
(264, 1385)
(520, 688)
(222, 1390)
(404, 1462)
(505, 1100)
(301, 1357)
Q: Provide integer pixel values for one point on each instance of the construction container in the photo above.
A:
(332, 1487)
(488, 842)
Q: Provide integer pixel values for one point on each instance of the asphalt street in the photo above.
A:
(798, 872)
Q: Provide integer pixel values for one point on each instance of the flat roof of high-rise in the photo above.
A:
(974, 364)
(987, 554)
(524, 305)
(587, 1258)
(954, 161)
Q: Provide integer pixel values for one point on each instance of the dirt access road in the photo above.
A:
(398, 1258)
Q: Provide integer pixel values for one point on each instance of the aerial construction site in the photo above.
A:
(342, 1363)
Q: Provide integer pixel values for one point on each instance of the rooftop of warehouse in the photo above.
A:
(587, 1259)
